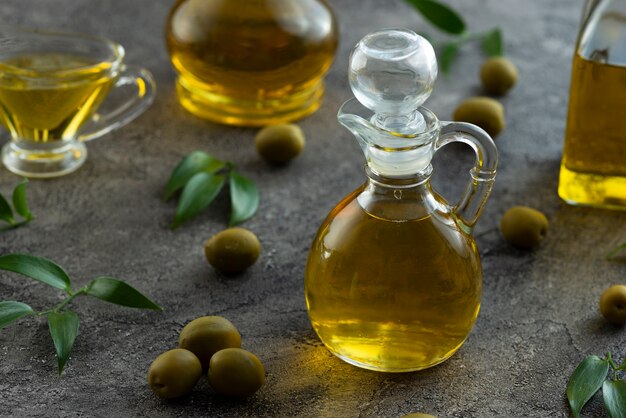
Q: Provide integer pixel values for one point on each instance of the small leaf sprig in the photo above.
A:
(615, 251)
(62, 323)
(446, 19)
(20, 205)
(201, 177)
(589, 377)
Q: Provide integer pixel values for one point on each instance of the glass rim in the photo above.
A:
(115, 56)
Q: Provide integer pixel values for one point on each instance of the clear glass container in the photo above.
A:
(60, 90)
(251, 62)
(393, 278)
(593, 168)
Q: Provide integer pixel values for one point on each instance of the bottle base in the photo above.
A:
(592, 189)
(232, 111)
(383, 369)
(400, 354)
(44, 164)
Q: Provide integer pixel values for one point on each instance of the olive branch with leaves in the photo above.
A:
(200, 177)
(589, 377)
(64, 323)
(20, 207)
(448, 20)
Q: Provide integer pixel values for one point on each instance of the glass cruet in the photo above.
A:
(393, 279)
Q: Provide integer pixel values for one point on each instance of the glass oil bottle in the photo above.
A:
(251, 62)
(593, 168)
(393, 278)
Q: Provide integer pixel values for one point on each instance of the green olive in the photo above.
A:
(613, 304)
(236, 372)
(418, 415)
(523, 227)
(498, 75)
(207, 335)
(232, 250)
(279, 144)
(482, 111)
(174, 373)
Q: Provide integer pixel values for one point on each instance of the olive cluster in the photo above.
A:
(521, 226)
(212, 344)
(208, 344)
(235, 249)
(498, 76)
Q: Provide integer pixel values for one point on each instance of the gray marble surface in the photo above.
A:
(539, 316)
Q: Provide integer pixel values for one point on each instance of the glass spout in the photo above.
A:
(391, 74)
(389, 153)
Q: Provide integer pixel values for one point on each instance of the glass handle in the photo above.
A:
(483, 174)
(129, 107)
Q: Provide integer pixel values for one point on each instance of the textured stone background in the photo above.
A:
(539, 315)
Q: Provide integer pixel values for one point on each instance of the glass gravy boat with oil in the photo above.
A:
(51, 87)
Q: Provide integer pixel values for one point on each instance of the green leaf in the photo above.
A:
(19, 201)
(614, 394)
(448, 53)
(198, 193)
(191, 165)
(37, 268)
(6, 213)
(585, 382)
(244, 198)
(440, 15)
(492, 43)
(63, 329)
(118, 292)
(616, 250)
(11, 310)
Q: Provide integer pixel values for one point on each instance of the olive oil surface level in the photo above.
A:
(392, 296)
(593, 169)
(54, 109)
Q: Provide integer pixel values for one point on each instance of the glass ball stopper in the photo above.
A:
(392, 73)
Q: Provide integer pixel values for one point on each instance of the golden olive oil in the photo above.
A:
(46, 97)
(593, 169)
(251, 63)
(392, 296)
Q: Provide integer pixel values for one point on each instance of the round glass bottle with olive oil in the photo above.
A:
(393, 280)
(251, 62)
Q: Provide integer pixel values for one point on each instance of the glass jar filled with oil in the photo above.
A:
(593, 169)
(251, 62)
(393, 278)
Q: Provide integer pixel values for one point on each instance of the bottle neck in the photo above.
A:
(410, 124)
(387, 152)
(401, 199)
(404, 182)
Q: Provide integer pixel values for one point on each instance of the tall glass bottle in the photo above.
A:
(593, 169)
(251, 62)
(393, 279)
